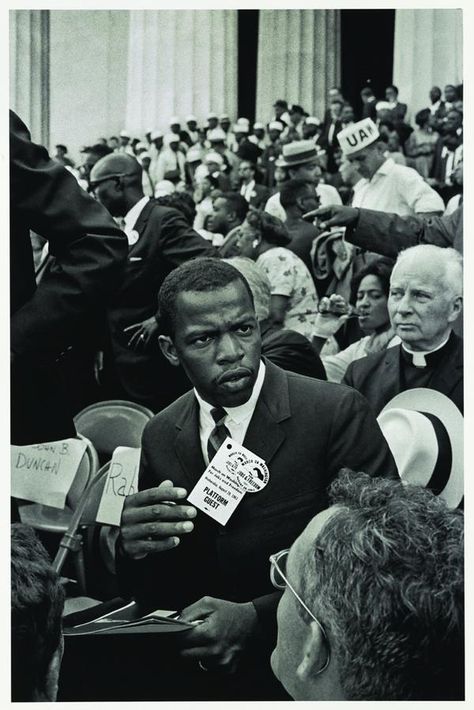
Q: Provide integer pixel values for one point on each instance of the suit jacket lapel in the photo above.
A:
(265, 435)
(389, 384)
(450, 370)
(142, 220)
(188, 443)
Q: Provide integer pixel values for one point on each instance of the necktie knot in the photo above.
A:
(218, 414)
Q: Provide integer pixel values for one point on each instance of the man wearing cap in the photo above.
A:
(246, 150)
(212, 121)
(170, 164)
(218, 142)
(124, 146)
(272, 151)
(388, 186)
(175, 127)
(258, 136)
(295, 129)
(156, 147)
(425, 300)
(191, 129)
(300, 159)
(368, 103)
(159, 240)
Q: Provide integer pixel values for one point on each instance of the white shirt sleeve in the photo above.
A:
(418, 194)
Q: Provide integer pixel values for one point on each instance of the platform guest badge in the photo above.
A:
(233, 472)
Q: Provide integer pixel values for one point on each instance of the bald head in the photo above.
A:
(116, 164)
(116, 181)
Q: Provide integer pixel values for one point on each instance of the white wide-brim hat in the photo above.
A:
(425, 433)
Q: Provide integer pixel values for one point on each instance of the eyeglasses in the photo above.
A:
(280, 581)
(93, 184)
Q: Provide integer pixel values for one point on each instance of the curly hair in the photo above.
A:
(386, 580)
(202, 275)
(181, 201)
(37, 600)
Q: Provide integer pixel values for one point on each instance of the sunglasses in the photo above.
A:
(279, 580)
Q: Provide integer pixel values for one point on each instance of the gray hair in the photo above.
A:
(386, 580)
(258, 282)
(446, 258)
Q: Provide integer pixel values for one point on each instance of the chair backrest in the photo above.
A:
(111, 424)
(94, 495)
(45, 517)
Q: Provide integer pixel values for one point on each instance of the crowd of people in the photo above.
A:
(295, 285)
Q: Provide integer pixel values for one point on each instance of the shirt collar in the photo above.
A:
(385, 168)
(133, 214)
(243, 411)
(419, 357)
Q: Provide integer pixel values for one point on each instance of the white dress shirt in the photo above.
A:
(131, 218)
(237, 419)
(247, 190)
(396, 188)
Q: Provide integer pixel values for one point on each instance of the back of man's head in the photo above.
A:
(292, 190)
(37, 600)
(202, 275)
(119, 164)
(385, 578)
(237, 204)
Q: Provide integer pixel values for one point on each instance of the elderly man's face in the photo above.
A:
(293, 621)
(421, 306)
(217, 342)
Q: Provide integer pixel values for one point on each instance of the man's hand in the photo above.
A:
(334, 216)
(152, 521)
(333, 312)
(220, 639)
(142, 333)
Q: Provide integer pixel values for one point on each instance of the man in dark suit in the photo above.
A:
(159, 240)
(397, 109)
(304, 429)
(424, 302)
(88, 251)
(297, 197)
(255, 194)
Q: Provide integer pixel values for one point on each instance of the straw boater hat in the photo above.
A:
(357, 136)
(297, 153)
(424, 430)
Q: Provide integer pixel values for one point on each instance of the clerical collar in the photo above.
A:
(421, 358)
(238, 414)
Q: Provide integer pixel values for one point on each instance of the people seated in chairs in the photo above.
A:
(373, 600)
(37, 600)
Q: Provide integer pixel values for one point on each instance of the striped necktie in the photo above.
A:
(219, 434)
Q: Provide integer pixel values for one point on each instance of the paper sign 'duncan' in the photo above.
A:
(43, 473)
(122, 481)
(233, 472)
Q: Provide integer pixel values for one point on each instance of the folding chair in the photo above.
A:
(46, 519)
(112, 423)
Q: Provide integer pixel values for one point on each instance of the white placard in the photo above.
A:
(122, 480)
(43, 473)
(233, 472)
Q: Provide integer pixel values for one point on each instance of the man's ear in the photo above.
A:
(168, 349)
(314, 654)
(456, 309)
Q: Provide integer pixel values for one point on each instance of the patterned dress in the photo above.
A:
(289, 276)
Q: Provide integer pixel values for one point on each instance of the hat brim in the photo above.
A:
(423, 399)
(282, 163)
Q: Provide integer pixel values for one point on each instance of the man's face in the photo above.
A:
(113, 143)
(245, 171)
(449, 93)
(174, 146)
(453, 122)
(279, 111)
(213, 122)
(90, 160)
(158, 142)
(217, 342)
(192, 125)
(110, 194)
(435, 94)
(274, 135)
(309, 130)
(225, 124)
(420, 306)
(391, 95)
(124, 140)
(335, 109)
(310, 172)
(175, 128)
(221, 217)
(259, 133)
(368, 160)
(347, 114)
(296, 117)
(293, 622)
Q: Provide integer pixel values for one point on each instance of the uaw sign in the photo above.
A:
(357, 136)
(43, 473)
